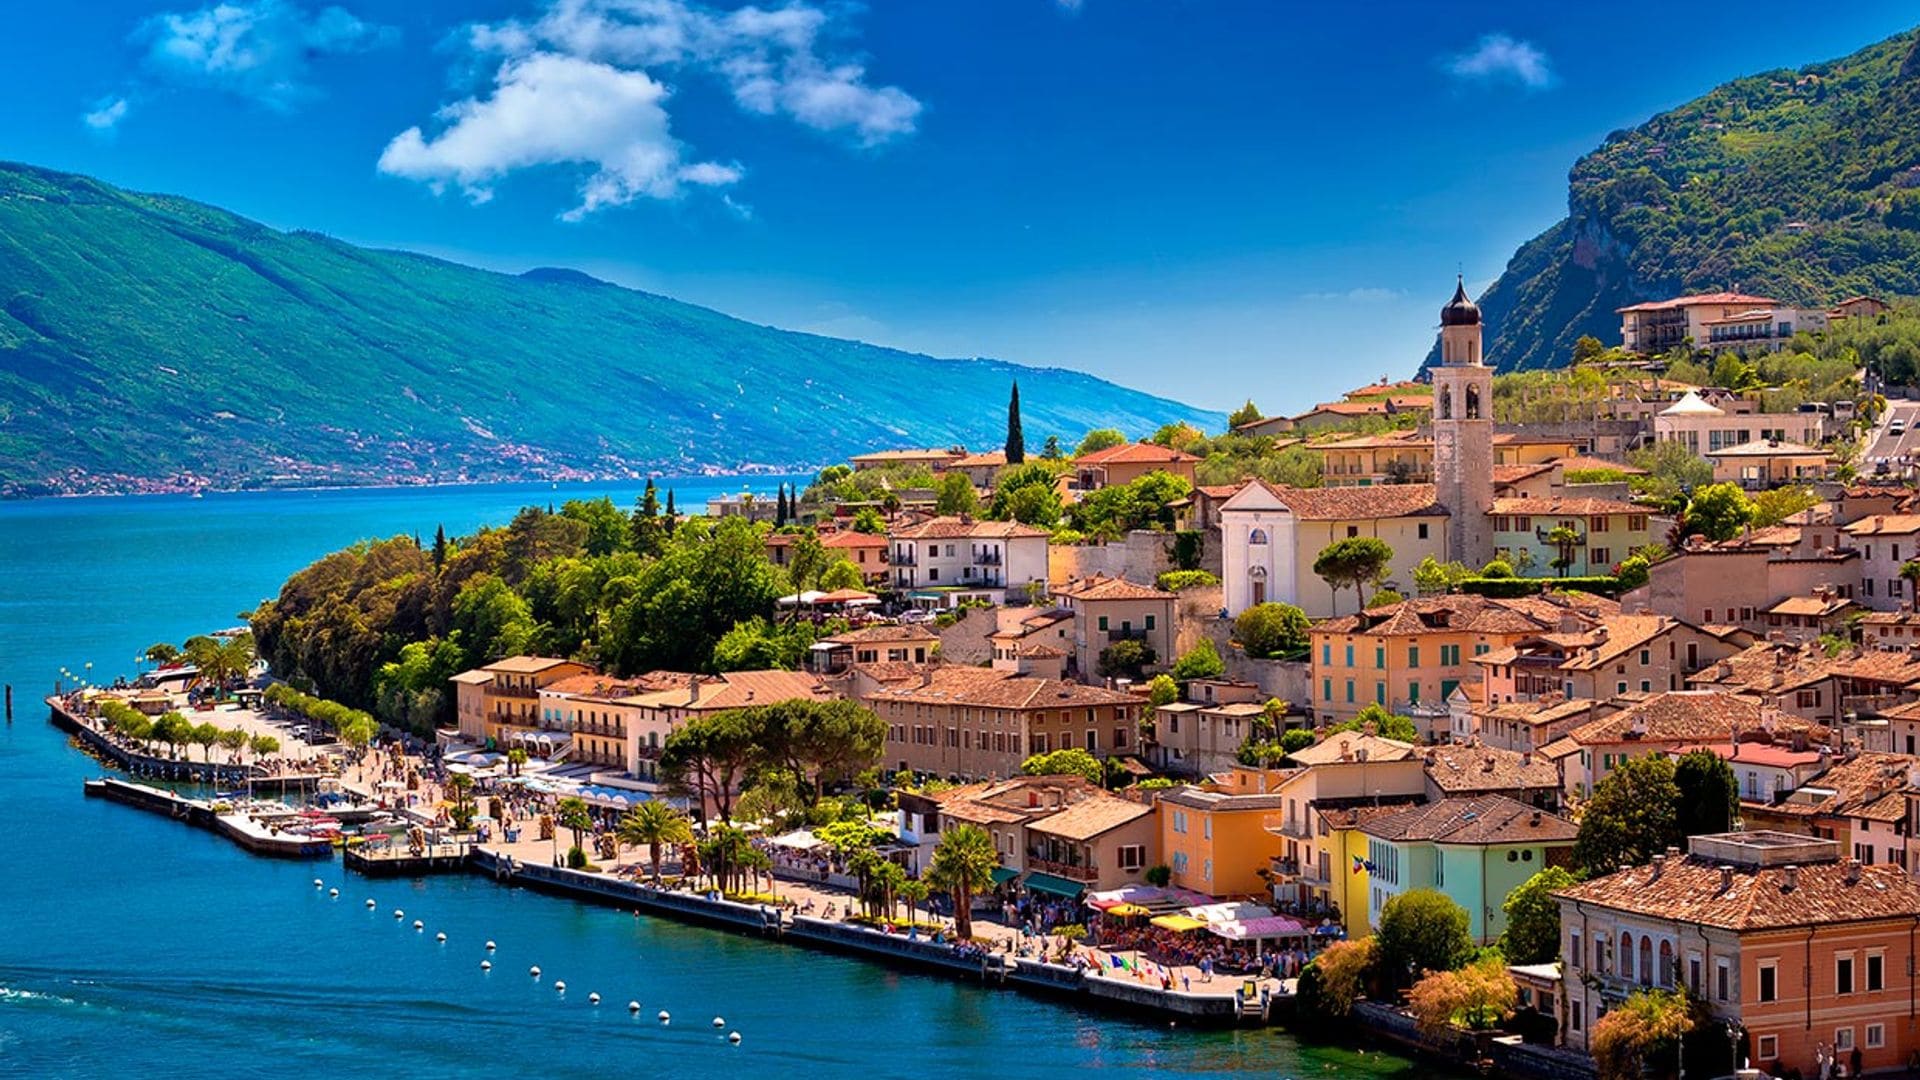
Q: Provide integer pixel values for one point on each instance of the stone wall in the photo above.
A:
(1142, 557)
(1289, 680)
(965, 642)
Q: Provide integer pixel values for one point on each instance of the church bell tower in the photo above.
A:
(1463, 432)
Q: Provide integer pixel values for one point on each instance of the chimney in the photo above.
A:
(1672, 852)
(1526, 759)
(1789, 878)
(1534, 820)
(1658, 862)
(1726, 878)
(693, 689)
(1360, 755)
(1853, 871)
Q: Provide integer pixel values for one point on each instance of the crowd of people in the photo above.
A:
(1196, 948)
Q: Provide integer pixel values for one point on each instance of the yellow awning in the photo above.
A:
(1179, 924)
(1128, 911)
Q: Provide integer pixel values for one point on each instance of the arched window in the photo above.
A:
(1257, 536)
(1446, 403)
(1646, 961)
(1626, 957)
(1666, 963)
(1473, 403)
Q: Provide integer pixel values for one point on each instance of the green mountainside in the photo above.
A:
(1800, 185)
(149, 342)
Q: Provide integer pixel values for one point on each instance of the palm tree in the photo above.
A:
(963, 863)
(656, 825)
(516, 760)
(914, 891)
(1565, 540)
(460, 784)
(573, 815)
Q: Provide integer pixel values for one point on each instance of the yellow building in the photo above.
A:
(1216, 842)
(1417, 652)
(1603, 532)
(500, 702)
(1345, 781)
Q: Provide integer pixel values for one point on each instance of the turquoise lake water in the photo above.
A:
(132, 945)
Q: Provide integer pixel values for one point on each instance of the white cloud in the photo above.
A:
(263, 50)
(547, 109)
(543, 108)
(1499, 58)
(106, 114)
(1364, 294)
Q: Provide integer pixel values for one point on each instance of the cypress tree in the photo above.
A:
(1016, 441)
(673, 517)
(439, 546)
(780, 508)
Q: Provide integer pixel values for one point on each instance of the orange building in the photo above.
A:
(1216, 842)
(1123, 464)
(1792, 947)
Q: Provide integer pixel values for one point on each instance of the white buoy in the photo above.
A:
(559, 986)
(489, 946)
(370, 905)
(486, 965)
(534, 971)
(718, 1022)
(333, 894)
(317, 883)
(733, 1037)
(633, 1007)
(418, 925)
(664, 1017)
(593, 999)
(441, 938)
(398, 914)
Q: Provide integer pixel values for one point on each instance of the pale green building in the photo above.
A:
(1474, 849)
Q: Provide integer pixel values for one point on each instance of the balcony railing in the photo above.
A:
(986, 558)
(1127, 633)
(599, 727)
(496, 690)
(905, 560)
(1299, 828)
(1069, 871)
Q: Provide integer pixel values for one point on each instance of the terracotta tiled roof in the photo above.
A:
(1222, 801)
(1890, 618)
(883, 633)
(1401, 440)
(1139, 453)
(1574, 507)
(526, 665)
(985, 687)
(991, 459)
(880, 457)
(1623, 634)
(1110, 588)
(1687, 716)
(1697, 299)
(734, 690)
(1867, 785)
(1811, 606)
(953, 528)
(1345, 746)
(1884, 525)
(1454, 613)
(1090, 817)
(1480, 819)
(1041, 651)
(599, 687)
(1513, 474)
(1690, 889)
(1542, 713)
(1220, 492)
(1457, 768)
(1356, 812)
(849, 538)
(1358, 503)
(1581, 463)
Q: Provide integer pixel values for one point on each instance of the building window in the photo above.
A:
(1413, 656)
(1132, 856)
(1578, 959)
(1876, 971)
(1843, 974)
(1720, 979)
(1422, 530)
(1843, 1039)
(1769, 981)
(1876, 1036)
(1768, 1047)
(1103, 622)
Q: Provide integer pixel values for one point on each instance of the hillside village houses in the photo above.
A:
(1791, 652)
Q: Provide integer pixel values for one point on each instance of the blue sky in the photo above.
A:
(1206, 200)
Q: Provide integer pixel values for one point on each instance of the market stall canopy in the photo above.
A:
(798, 840)
(1262, 928)
(1128, 911)
(1004, 874)
(811, 596)
(1053, 883)
(1179, 924)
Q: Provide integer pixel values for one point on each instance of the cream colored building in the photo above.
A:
(1463, 457)
(1271, 535)
(971, 722)
(1759, 465)
(1705, 428)
(1604, 532)
(500, 701)
(946, 560)
(1108, 610)
(1720, 320)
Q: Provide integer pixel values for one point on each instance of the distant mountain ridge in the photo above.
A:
(151, 342)
(1799, 185)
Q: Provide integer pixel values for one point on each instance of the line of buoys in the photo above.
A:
(398, 914)
(440, 937)
(633, 1007)
(371, 905)
(317, 883)
(418, 925)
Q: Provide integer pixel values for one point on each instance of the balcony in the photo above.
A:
(1298, 828)
(1066, 870)
(1127, 633)
(601, 728)
(986, 558)
(529, 692)
(904, 560)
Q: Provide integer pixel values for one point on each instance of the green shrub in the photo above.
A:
(1176, 580)
(576, 858)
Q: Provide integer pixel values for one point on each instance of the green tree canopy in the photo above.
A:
(1532, 935)
(1163, 690)
(1099, 439)
(1719, 511)
(1200, 662)
(1422, 930)
(1709, 793)
(954, 494)
(1016, 447)
(1385, 724)
(963, 865)
(1245, 414)
(1353, 562)
(1632, 816)
(1272, 630)
(1069, 762)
